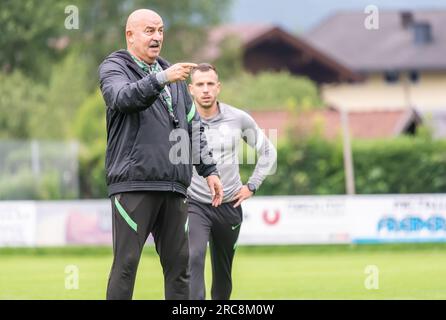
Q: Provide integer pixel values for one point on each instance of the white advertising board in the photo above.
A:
(402, 218)
(289, 220)
(17, 224)
(266, 220)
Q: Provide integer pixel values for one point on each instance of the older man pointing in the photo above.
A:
(146, 99)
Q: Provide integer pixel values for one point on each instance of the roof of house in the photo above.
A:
(245, 32)
(390, 47)
(363, 125)
(279, 120)
(256, 37)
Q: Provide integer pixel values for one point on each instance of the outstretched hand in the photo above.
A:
(179, 71)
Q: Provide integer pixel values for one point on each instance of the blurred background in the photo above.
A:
(354, 90)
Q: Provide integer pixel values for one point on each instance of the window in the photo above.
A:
(422, 33)
(391, 76)
(414, 76)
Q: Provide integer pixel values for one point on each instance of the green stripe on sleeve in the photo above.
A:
(125, 215)
(191, 113)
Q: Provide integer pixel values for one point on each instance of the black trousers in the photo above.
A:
(135, 216)
(221, 227)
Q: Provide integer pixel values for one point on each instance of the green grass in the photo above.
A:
(293, 272)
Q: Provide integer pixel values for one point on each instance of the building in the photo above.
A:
(402, 63)
(267, 47)
(389, 79)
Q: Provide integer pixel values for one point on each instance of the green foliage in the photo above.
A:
(27, 27)
(270, 90)
(40, 173)
(402, 166)
(229, 63)
(90, 129)
(25, 185)
(19, 98)
(21, 185)
(315, 166)
(30, 30)
(67, 89)
(34, 110)
(187, 23)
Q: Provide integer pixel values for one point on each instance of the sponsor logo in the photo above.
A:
(412, 224)
(271, 218)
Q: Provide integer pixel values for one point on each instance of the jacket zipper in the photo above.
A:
(166, 108)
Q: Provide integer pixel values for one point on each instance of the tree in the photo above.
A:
(35, 31)
(270, 90)
(27, 27)
(67, 89)
(229, 63)
(19, 98)
(102, 25)
(90, 129)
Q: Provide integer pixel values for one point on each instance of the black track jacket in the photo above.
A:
(138, 129)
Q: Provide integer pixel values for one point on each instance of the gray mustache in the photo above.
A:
(155, 44)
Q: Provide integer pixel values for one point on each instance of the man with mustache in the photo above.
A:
(147, 99)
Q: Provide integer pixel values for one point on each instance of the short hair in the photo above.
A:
(203, 67)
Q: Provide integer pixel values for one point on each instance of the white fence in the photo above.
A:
(267, 220)
(39, 170)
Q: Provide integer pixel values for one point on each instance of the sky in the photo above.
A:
(302, 15)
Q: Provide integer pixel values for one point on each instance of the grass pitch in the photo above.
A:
(287, 272)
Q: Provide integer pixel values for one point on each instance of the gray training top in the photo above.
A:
(224, 132)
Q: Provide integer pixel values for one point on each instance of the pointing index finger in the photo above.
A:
(188, 64)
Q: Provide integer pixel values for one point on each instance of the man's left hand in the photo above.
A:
(242, 195)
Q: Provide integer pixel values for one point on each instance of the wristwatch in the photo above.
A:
(251, 187)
